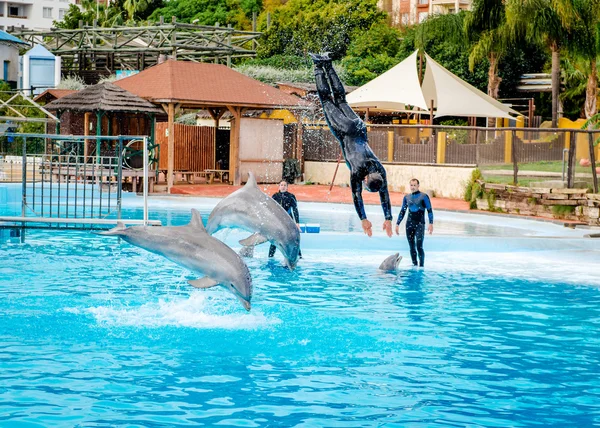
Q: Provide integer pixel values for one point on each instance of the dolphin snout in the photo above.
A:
(246, 305)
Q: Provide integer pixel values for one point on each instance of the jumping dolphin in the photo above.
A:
(252, 210)
(191, 247)
(391, 263)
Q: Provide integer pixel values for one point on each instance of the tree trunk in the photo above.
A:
(591, 90)
(555, 82)
(493, 82)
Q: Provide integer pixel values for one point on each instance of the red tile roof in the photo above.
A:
(53, 94)
(202, 84)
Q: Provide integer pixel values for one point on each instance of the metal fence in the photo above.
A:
(462, 145)
(70, 181)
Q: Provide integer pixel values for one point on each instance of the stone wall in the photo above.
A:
(443, 181)
(568, 204)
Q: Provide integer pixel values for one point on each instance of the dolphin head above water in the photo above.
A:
(193, 248)
(251, 209)
(390, 264)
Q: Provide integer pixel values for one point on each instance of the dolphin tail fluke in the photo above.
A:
(254, 239)
(247, 251)
(117, 230)
(205, 282)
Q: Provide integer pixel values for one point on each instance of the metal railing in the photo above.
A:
(72, 181)
(466, 145)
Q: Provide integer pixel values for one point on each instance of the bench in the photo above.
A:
(218, 174)
(190, 176)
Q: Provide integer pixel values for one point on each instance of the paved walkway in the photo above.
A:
(313, 193)
(341, 195)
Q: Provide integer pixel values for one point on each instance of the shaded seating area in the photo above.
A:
(108, 110)
(178, 85)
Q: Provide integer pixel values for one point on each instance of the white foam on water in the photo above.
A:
(197, 311)
(577, 267)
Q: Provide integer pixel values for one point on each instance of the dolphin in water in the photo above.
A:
(252, 210)
(391, 263)
(193, 248)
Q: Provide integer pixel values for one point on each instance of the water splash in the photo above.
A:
(198, 311)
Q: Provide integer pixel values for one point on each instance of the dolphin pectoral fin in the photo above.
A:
(205, 282)
(197, 220)
(252, 240)
(120, 227)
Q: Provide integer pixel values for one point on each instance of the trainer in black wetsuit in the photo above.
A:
(416, 203)
(351, 132)
(288, 201)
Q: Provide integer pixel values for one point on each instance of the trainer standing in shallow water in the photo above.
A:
(416, 203)
(289, 203)
(351, 132)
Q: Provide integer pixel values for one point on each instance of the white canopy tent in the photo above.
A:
(399, 87)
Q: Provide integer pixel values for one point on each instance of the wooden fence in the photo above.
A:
(194, 147)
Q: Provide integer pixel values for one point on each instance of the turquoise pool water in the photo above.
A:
(500, 329)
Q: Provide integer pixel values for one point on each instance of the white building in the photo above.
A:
(410, 12)
(9, 58)
(32, 14)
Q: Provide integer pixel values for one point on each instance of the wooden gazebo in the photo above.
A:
(189, 85)
(107, 109)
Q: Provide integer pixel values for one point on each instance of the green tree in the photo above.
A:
(301, 26)
(584, 45)
(547, 22)
(208, 12)
(485, 28)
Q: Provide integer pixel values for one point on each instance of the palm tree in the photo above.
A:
(485, 26)
(547, 22)
(585, 46)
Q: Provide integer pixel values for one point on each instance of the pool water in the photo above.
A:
(500, 329)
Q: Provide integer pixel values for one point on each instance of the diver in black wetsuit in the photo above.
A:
(288, 201)
(416, 203)
(351, 132)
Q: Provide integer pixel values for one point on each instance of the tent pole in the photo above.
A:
(431, 114)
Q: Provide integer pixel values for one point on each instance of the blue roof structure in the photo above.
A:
(5, 37)
(38, 51)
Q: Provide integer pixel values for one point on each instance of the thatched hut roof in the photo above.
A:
(104, 97)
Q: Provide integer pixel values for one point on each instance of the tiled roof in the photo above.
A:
(203, 84)
(53, 94)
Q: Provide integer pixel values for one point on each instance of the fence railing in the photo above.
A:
(70, 181)
(463, 145)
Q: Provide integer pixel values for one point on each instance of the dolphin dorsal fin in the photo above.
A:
(251, 180)
(196, 220)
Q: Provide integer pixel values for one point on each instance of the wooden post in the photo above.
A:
(390, 146)
(530, 112)
(86, 131)
(170, 146)
(514, 158)
(571, 161)
(508, 146)
(593, 161)
(234, 146)
(431, 114)
(441, 148)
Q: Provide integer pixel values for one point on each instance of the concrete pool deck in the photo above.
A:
(343, 195)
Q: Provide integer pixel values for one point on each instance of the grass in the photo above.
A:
(543, 166)
(505, 179)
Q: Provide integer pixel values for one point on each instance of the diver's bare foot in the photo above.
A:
(320, 59)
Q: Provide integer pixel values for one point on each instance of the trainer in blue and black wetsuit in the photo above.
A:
(416, 203)
(351, 132)
(288, 201)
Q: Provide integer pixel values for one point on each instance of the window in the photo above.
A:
(65, 1)
(423, 1)
(47, 12)
(61, 13)
(41, 72)
(14, 11)
(405, 18)
(423, 16)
